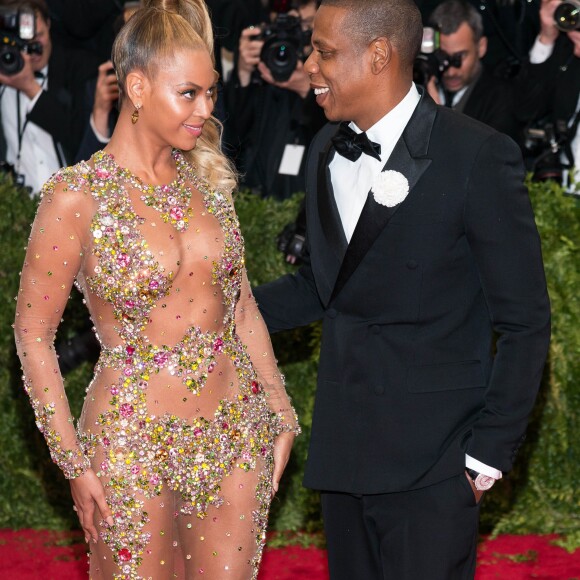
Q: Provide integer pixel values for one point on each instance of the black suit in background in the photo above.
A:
(62, 110)
(262, 120)
(549, 91)
(491, 101)
(86, 24)
(90, 143)
(408, 382)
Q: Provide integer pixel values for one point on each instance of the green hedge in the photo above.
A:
(538, 497)
(542, 493)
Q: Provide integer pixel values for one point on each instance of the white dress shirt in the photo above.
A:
(352, 180)
(38, 158)
(456, 96)
(540, 52)
(103, 139)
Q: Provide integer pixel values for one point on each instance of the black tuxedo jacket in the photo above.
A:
(550, 90)
(62, 110)
(492, 102)
(408, 378)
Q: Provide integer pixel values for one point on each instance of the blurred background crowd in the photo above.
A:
(512, 64)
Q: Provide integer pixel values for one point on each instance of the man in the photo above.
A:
(510, 27)
(549, 95)
(414, 414)
(42, 106)
(271, 122)
(466, 85)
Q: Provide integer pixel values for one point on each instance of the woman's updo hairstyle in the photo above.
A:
(153, 35)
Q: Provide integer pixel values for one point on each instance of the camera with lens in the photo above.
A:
(567, 15)
(431, 60)
(284, 44)
(17, 29)
(545, 145)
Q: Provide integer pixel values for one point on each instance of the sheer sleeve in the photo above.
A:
(53, 259)
(253, 332)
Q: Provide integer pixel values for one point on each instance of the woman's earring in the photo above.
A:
(135, 115)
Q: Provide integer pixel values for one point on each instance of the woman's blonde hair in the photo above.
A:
(154, 33)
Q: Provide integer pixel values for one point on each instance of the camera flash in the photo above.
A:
(26, 28)
(429, 40)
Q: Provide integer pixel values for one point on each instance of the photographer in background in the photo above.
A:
(42, 103)
(549, 93)
(465, 85)
(510, 27)
(103, 93)
(271, 112)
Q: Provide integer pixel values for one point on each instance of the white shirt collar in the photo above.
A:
(351, 181)
(393, 123)
(456, 97)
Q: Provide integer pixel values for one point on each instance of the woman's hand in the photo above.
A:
(88, 493)
(282, 448)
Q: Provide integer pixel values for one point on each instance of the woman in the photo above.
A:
(186, 427)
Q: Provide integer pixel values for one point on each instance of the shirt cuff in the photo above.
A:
(539, 53)
(480, 467)
(100, 137)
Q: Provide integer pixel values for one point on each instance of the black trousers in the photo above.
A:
(424, 534)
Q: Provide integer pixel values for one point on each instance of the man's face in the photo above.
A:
(39, 61)
(461, 43)
(339, 71)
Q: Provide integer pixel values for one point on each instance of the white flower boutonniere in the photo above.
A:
(390, 188)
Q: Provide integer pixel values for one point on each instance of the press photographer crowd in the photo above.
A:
(511, 64)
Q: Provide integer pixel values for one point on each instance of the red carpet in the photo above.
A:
(29, 555)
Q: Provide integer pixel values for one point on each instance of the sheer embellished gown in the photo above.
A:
(180, 418)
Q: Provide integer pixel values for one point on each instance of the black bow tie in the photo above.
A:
(352, 145)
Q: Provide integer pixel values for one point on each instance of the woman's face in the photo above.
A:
(179, 98)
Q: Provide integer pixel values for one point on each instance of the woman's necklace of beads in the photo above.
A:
(170, 200)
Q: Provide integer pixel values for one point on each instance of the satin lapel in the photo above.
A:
(407, 158)
(327, 209)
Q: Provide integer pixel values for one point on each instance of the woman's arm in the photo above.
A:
(53, 258)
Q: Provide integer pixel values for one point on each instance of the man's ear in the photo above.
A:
(381, 54)
(482, 47)
(136, 84)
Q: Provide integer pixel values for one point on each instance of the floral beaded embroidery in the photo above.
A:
(139, 452)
